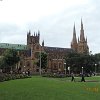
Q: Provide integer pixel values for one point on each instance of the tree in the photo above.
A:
(73, 60)
(9, 59)
(77, 61)
(2, 62)
(97, 57)
(43, 60)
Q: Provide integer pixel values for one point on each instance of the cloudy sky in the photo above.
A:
(54, 19)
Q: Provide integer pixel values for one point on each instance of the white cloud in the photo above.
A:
(22, 11)
(54, 18)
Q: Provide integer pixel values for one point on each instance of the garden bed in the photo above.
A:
(7, 77)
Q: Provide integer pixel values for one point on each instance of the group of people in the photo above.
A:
(73, 78)
(27, 72)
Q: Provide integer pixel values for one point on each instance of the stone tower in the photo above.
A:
(34, 44)
(81, 46)
(82, 42)
(31, 40)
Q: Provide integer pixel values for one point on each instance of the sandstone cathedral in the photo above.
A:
(55, 56)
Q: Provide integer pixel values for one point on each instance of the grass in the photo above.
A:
(42, 88)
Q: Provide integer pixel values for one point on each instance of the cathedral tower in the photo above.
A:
(80, 46)
(32, 40)
(82, 43)
(74, 40)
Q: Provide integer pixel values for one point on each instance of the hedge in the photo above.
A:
(7, 77)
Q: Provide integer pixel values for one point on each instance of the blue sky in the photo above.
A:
(54, 19)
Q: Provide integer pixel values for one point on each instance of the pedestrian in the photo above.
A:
(28, 72)
(72, 75)
(83, 79)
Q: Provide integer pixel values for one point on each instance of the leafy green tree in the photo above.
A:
(9, 59)
(2, 62)
(43, 58)
(77, 61)
(97, 57)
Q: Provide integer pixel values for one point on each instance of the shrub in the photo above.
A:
(54, 75)
(6, 77)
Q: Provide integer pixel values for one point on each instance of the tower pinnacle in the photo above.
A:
(81, 24)
(82, 38)
(43, 43)
(74, 40)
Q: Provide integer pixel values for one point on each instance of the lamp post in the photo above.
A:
(69, 70)
(82, 70)
(24, 68)
(95, 68)
(24, 71)
(40, 63)
(65, 68)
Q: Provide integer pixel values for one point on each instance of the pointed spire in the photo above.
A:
(34, 33)
(38, 33)
(82, 38)
(29, 32)
(74, 40)
(78, 39)
(43, 43)
(74, 31)
(81, 24)
(86, 39)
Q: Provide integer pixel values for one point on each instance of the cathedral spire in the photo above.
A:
(78, 39)
(29, 32)
(74, 40)
(38, 33)
(81, 24)
(82, 38)
(80, 45)
(86, 39)
(43, 43)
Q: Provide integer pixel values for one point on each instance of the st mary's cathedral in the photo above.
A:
(55, 55)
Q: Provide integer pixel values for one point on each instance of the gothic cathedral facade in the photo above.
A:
(80, 45)
(55, 55)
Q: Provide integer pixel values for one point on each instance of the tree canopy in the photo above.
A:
(77, 61)
(43, 60)
(9, 59)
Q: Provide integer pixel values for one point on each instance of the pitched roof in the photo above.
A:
(57, 49)
(13, 46)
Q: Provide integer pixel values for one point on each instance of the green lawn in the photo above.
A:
(42, 88)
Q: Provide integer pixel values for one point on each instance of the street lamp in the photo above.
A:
(95, 68)
(82, 70)
(40, 63)
(24, 71)
(69, 70)
(65, 68)
(24, 68)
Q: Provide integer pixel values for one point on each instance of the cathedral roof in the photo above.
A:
(57, 49)
(13, 46)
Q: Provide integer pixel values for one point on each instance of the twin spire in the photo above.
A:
(82, 38)
(75, 44)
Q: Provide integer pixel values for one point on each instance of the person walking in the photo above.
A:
(28, 72)
(72, 75)
(83, 79)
